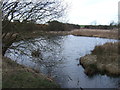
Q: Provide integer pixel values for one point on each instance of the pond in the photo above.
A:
(59, 58)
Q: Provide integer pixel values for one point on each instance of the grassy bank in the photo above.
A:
(18, 76)
(104, 59)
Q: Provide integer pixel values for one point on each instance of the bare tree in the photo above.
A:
(39, 11)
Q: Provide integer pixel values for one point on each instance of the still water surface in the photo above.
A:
(59, 59)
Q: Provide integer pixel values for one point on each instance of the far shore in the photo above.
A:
(101, 33)
(110, 34)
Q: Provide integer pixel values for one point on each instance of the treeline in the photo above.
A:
(100, 26)
(17, 26)
(59, 26)
(28, 26)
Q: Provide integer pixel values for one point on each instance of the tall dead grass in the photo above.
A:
(105, 59)
(96, 33)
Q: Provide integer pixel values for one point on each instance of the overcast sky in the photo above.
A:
(86, 12)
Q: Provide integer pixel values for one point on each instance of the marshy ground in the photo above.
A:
(104, 59)
(113, 34)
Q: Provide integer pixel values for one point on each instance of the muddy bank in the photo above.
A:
(104, 59)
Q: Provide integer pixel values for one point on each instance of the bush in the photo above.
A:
(56, 26)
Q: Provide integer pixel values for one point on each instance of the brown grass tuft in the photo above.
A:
(105, 59)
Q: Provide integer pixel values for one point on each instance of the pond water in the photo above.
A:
(59, 58)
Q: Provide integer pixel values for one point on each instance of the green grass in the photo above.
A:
(82, 26)
(18, 76)
(22, 79)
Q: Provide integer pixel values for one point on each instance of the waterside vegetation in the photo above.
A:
(104, 59)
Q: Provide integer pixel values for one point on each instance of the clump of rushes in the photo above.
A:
(103, 59)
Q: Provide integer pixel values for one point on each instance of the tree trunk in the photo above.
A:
(7, 42)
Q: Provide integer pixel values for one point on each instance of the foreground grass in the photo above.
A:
(18, 76)
(104, 59)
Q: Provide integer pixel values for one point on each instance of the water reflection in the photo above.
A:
(60, 59)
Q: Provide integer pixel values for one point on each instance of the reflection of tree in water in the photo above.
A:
(54, 39)
(51, 54)
(44, 52)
